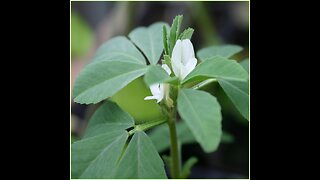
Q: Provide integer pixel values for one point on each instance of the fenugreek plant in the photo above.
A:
(114, 145)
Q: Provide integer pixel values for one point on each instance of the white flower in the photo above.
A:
(159, 90)
(166, 67)
(183, 60)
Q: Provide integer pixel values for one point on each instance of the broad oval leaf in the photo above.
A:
(119, 49)
(102, 79)
(217, 67)
(238, 92)
(226, 51)
(155, 74)
(245, 64)
(140, 160)
(202, 113)
(149, 40)
(108, 117)
(96, 157)
(103, 153)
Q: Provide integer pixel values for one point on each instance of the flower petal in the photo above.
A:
(187, 51)
(189, 67)
(176, 58)
(166, 68)
(150, 97)
(155, 89)
(162, 93)
(159, 99)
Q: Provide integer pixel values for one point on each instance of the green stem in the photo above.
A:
(146, 126)
(174, 149)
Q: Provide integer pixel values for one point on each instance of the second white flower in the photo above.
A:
(183, 60)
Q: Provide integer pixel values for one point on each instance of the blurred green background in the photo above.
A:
(93, 23)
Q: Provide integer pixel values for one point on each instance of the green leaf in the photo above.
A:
(96, 157)
(186, 34)
(119, 49)
(217, 67)
(155, 74)
(140, 160)
(131, 100)
(175, 27)
(148, 40)
(202, 113)
(167, 160)
(226, 51)
(165, 39)
(172, 80)
(245, 64)
(186, 170)
(102, 79)
(238, 92)
(107, 117)
(179, 26)
(103, 153)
